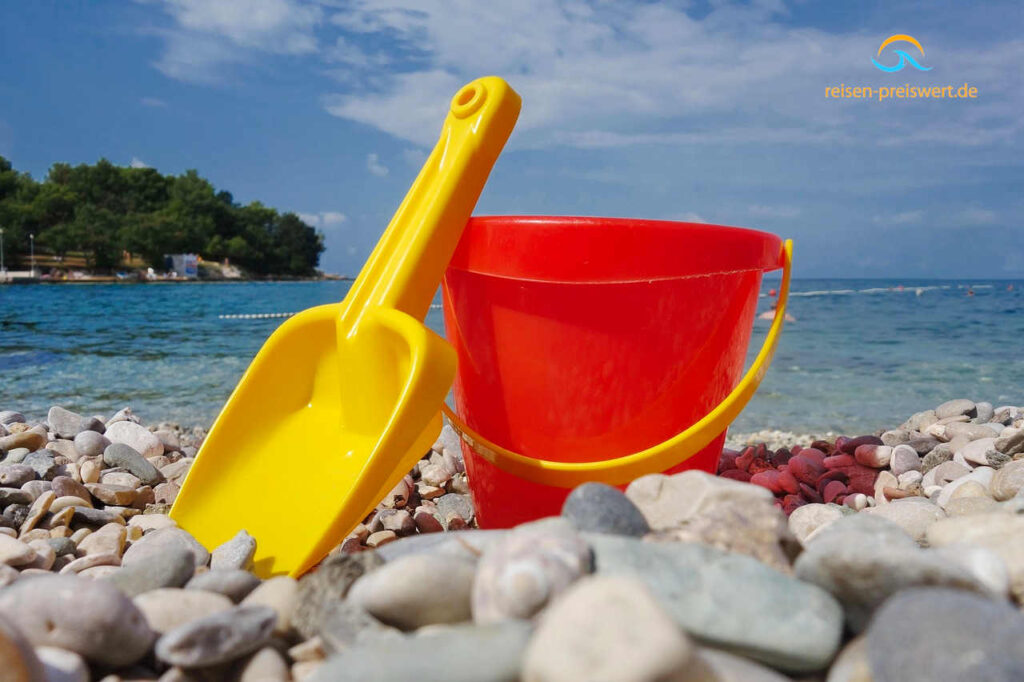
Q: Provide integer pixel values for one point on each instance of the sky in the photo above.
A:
(696, 111)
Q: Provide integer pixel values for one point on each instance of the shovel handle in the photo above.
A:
(407, 265)
(657, 458)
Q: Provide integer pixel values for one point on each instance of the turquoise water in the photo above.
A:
(861, 355)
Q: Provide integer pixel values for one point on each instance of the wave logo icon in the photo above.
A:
(905, 58)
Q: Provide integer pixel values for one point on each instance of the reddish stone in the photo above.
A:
(862, 484)
(824, 446)
(851, 445)
(833, 489)
(795, 450)
(809, 493)
(836, 461)
(761, 451)
(768, 479)
(745, 458)
(736, 475)
(781, 456)
(759, 465)
(813, 453)
(791, 502)
(806, 469)
(788, 482)
(727, 460)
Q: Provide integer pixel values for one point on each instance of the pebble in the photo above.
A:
(904, 459)
(1011, 442)
(600, 508)
(140, 439)
(89, 617)
(956, 408)
(235, 553)
(981, 475)
(15, 475)
(123, 455)
(14, 552)
(65, 486)
(583, 635)
(455, 504)
(417, 590)
(65, 423)
(108, 539)
(234, 584)
(967, 637)
(343, 624)
(91, 561)
(96, 517)
(18, 661)
(427, 521)
(999, 532)
(117, 495)
(977, 451)
(120, 477)
(913, 514)
(329, 584)
(169, 607)
(381, 537)
(90, 443)
(15, 496)
(157, 541)
(8, 417)
(808, 519)
(172, 567)
(488, 653)
(30, 440)
(862, 571)
(151, 522)
(61, 665)
(266, 665)
(45, 555)
(62, 546)
(1008, 480)
(876, 456)
(281, 594)
(217, 638)
(517, 576)
(42, 464)
(683, 577)
(398, 521)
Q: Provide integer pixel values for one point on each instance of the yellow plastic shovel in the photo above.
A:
(343, 399)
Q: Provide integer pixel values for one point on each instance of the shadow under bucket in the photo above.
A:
(582, 341)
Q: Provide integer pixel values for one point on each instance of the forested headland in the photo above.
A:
(113, 215)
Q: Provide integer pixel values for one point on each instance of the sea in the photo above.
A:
(860, 356)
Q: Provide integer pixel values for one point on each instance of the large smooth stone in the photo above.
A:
(532, 565)
(172, 567)
(807, 519)
(280, 593)
(91, 443)
(481, 653)
(123, 455)
(139, 438)
(217, 638)
(772, 617)
(956, 408)
(1000, 532)
(89, 617)
(581, 636)
(18, 661)
(417, 590)
(912, 514)
(170, 607)
(157, 541)
(668, 501)
(62, 665)
(600, 508)
(944, 635)
(68, 424)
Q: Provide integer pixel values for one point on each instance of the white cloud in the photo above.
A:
(689, 217)
(323, 219)
(374, 165)
(623, 74)
(210, 35)
(415, 157)
(136, 162)
(902, 218)
(976, 216)
(773, 211)
(154, 102)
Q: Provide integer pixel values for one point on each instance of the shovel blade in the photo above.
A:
(316, 432)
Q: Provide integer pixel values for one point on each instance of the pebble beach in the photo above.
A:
(895, 555)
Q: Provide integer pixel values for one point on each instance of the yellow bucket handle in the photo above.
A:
(658, 457)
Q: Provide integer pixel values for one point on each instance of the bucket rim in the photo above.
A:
(595, 249)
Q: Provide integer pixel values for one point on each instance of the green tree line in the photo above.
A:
(103, 211)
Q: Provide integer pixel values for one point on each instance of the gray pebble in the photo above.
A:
(157, 541)
(453, 503)
(16, 456)
(42, 463)
(65, 423)
(217, 638)
(490, 653)
(956, 408)
(235, 584)
(600, 508)
(16, 475)
(89, 617)
(15, 496)
(8, 417)
(342, 625)
(171, 567)
(235, 553)
(329, 584)
(96, 517)
(90, 443)
(62, 546)
(944, 635)
(124, 456)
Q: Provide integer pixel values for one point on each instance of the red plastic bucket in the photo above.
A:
(582, 340)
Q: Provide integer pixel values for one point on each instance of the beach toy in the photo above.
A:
(599, 349)
(343, 399)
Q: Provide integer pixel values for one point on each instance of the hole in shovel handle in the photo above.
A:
(469, 99)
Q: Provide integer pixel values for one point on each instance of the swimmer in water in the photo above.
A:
(970, 291)
(770, 314)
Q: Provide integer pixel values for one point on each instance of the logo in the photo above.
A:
(905, 58)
